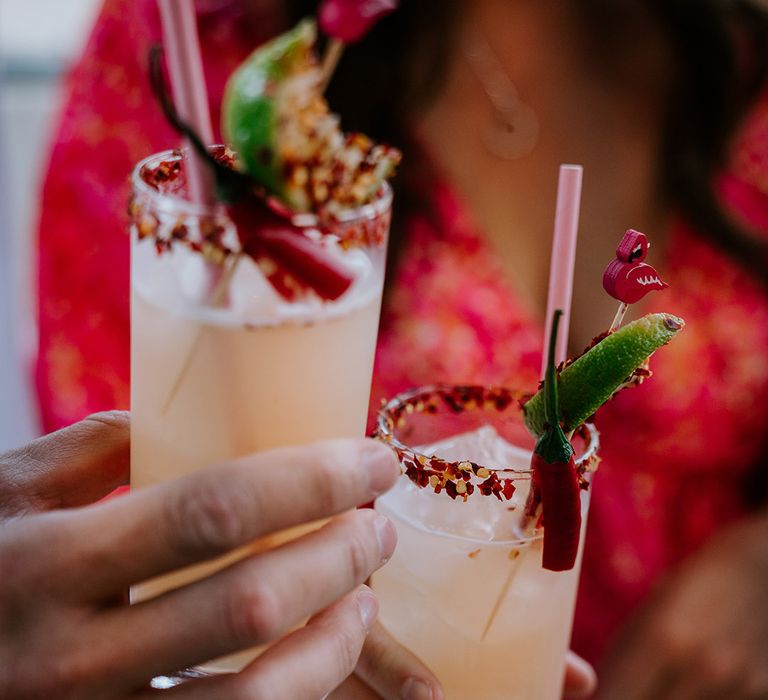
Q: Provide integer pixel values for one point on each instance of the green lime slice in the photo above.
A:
(254, 98)
(288, 140)
(594, 377)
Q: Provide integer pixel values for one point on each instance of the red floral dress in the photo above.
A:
(676, 452)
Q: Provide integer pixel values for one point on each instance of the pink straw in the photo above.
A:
(185, 65)
(563, 258)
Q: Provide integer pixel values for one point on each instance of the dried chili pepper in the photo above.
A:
(555, 477)
(266, 236)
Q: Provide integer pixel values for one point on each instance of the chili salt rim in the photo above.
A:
(168, 218)
(363, 226)
(455, 477)
(168, 201)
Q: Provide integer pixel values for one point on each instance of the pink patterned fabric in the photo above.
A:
(110, 122)
(675, 451)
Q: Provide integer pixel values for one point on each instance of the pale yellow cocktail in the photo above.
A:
(465, 589)
(216, 380)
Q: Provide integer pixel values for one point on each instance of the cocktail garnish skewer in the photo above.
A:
(345, 22)
(502, 595)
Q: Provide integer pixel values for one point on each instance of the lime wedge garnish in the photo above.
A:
(288, 140)
(593, 378)
(254, 99)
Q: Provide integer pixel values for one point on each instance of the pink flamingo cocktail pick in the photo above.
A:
(628, 278)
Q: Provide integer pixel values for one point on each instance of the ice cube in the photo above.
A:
(482, 518)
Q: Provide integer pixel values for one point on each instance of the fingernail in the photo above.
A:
(368, 605)
(381, 464)
(386, 535)
(416, 689)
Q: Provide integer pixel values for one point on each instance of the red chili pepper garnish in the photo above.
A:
(555, 477)
(350, 20)
(297, 260)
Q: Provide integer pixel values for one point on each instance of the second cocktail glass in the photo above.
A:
(465, 589)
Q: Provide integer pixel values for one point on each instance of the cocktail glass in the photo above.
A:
(465, 589)
(222, 365)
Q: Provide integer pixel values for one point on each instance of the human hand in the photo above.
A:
(387, 670)
(65, 628)
(705, 633)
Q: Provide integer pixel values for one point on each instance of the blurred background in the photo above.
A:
(39, 40)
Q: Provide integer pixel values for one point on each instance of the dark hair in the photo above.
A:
(720, 50)
(719, 63)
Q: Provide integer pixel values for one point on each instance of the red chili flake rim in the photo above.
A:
(465, 478)
(157, 176)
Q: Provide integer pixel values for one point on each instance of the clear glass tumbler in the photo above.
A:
(221, 364)
(465, 589)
